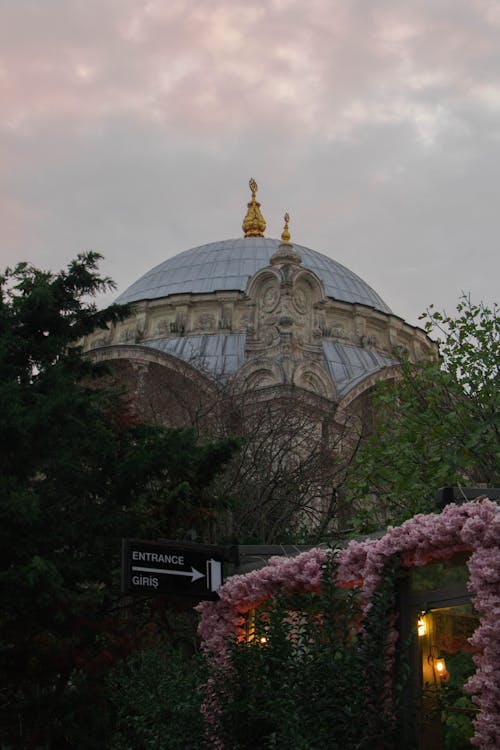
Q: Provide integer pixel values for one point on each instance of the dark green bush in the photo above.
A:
(156, 696)
(320, 680)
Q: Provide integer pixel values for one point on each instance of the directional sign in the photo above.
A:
(171, 568)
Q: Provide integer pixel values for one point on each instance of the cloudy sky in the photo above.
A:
(132, 127)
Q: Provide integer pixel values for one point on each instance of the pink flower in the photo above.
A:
(473, 526)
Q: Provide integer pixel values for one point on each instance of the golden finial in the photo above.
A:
(285, 235)
(254, 223)
(286, 253)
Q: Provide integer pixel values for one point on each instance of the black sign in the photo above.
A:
(171, 568)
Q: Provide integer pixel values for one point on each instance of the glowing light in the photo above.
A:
(421, 627)
(440, 666)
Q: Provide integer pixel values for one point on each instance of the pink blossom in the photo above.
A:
(473, 526)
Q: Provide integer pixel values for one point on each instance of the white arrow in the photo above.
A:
(194, 574)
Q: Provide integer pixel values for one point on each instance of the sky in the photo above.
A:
(132, 127)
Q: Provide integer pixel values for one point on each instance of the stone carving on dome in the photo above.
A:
(130, 331)
(368, 340)
(300, 300)
(261, 373)
(340, 332)
(226, 318)
(247, 323)
(179, 325)
(312, 377)
(286, 298)
(206, 322)
(270, 298)
(359, 327)
(162, 327)
(128, 335)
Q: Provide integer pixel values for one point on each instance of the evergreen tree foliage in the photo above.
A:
(76, 475)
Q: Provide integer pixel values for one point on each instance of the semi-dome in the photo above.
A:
(229, 264)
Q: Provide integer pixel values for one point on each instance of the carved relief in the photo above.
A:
(163, 327)
(313, 377)
(359, 330)
(247, 323)
(370, 340)
(206, 322)
(337, 332)
(270, 299)
(286, 321)
(178, 326)
(127, 335)
(300, 300)
(287, 317)
(261, 372)
(268, 336)
(226, 318)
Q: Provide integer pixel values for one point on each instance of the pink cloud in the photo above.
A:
(322, 68)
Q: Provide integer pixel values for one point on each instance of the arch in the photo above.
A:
(313, 282)
(159, 387)
(261, 372)
(385, 373)
(311, 376)
(147, 355)
(259, 279)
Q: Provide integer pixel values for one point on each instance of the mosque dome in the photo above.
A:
(228, 265)
(261, 313)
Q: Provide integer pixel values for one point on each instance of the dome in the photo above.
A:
(258, 313)
(229, 264)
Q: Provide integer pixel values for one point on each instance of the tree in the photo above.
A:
(285, 480)
(77, 473)
(285, 483)
(156, 695)
(437, 424)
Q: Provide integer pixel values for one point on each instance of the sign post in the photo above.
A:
(171, 568)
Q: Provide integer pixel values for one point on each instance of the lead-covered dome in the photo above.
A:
(228, 265)
(258, 312)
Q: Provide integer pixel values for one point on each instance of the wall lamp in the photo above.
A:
(438, 664)
(421, 626)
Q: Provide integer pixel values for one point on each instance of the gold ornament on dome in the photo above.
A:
(254, 223)
(285, 235)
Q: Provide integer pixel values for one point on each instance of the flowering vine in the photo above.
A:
(226, 617)
(474, 527)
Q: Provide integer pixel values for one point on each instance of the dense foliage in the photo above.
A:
(76, 475)
(305, 677)
(437, 425)
(156, 698)
(310, 677)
